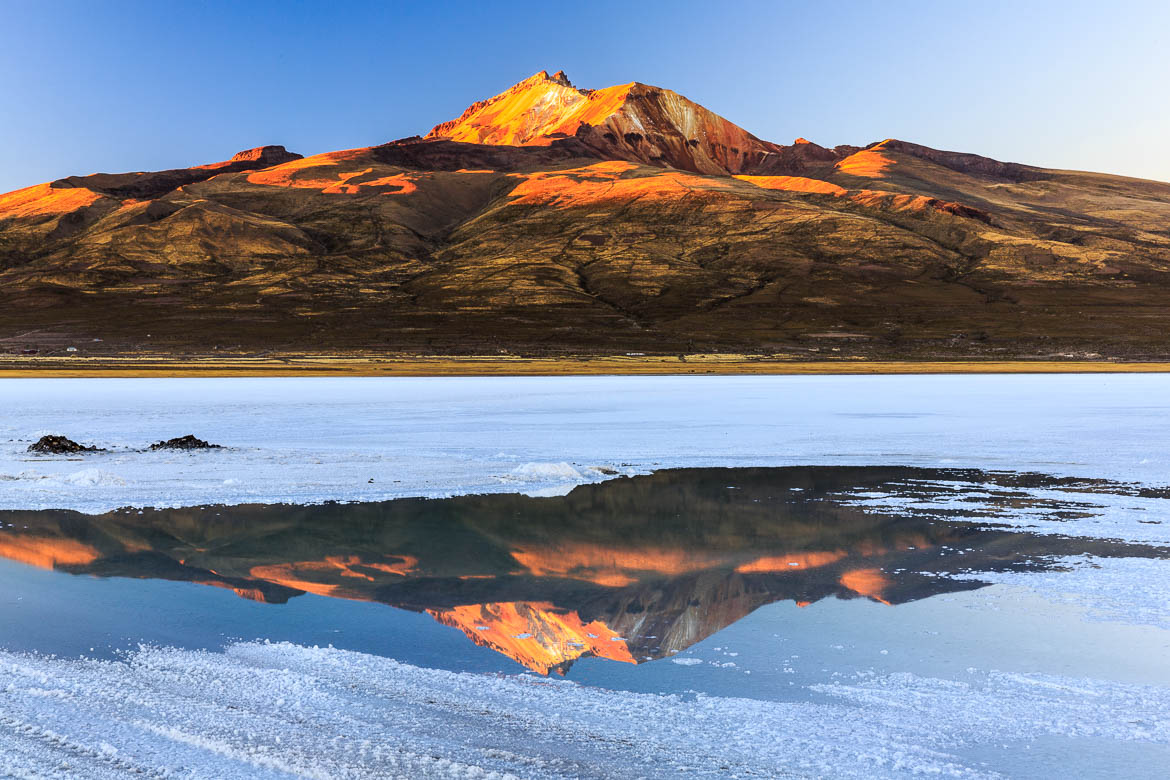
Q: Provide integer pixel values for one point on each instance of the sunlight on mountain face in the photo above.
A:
(44, 200)
(869, 163)
(795, 184)
(600, 184)
(632, 121)
(317, 173)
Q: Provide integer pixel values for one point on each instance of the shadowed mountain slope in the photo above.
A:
(551, 219)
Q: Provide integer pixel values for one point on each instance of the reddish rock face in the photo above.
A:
(635, 122)
(268, 155)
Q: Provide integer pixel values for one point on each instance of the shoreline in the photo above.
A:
(474, 366)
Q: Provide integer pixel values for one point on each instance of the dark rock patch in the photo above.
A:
(59, 445)
(184, 443)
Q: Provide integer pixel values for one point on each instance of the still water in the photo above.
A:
(746, 582)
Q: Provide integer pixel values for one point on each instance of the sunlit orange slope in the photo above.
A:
(632, 121)
(44, 200)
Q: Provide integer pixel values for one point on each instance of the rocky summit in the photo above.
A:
(552, 219)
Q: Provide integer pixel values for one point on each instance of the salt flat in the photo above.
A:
(278, 710)
(363, 439)
(853, 689)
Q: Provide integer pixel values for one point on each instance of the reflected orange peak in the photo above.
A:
(866, 582)
(795, 184)
(47, 553)
(535, 634)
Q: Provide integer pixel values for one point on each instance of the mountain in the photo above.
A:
(633, 122)
(556, 220)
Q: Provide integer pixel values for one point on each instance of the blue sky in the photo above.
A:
(115, 86)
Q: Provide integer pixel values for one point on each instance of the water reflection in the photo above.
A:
(629, 570)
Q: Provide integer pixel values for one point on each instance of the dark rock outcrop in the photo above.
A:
(187, 442)
(59, 445)
(273, 154)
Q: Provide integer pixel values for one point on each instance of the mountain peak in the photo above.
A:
(539, 78)
(635, 121)
(519, 116)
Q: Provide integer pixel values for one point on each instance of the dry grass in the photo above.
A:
(341, 365)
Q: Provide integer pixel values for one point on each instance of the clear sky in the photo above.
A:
(113, 86)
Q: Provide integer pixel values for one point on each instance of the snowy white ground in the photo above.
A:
(305, 440)
(282, 710)
(263, 710)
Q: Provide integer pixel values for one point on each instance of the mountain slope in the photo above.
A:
(632, 121)
(536, 222)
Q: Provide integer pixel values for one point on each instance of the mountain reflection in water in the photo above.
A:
(629, 570)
